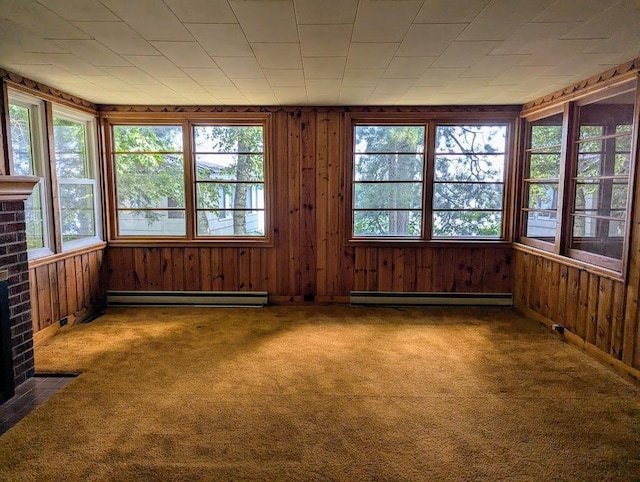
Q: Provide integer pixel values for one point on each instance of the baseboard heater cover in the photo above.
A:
(390, 298)
(188, 298)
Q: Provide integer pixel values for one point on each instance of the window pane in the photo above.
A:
(390, 139)
(147, 138)
(230, 223)
(387, 223)
(601, 196)
(469, 167)
(546, 132)
(467, 196)
(544, 166)
(221, 167)
(598, 236)
(541, 225)
(471, 139)
(389, 167)
(543, 196)
(467, 224)
(34, 218)
(21, 140)
(388, 195)
(150, 223)
(224, 196)
(228, 139)
(70, 149)
(149, 180)
(77, 211)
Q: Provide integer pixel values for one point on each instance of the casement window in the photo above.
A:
(77, 177)
(584, 159)
(28, 158)
(189, 181)
(432, 181)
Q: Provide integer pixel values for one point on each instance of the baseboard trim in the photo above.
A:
(188, 298)
(621, 368)
(388, 298)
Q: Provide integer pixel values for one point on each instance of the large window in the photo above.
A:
(190, 181)
(26, 119)
(78, 194)
(592, 178)
(407, 184)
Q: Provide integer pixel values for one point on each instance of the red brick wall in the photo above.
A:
(13, 258)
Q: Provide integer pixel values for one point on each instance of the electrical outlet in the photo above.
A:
(64, 321)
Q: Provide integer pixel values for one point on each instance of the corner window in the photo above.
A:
(432, 181)
(76, 173)
(28, 158)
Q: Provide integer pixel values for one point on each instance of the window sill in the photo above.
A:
(51, 258)
(190, 243)
(432, 243)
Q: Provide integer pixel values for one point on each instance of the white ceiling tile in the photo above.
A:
(240, 67)
(408, 67)
(41, 21)
(435, 77)
(517, 74)
(464, 54)
(291, 95)
(325, 40)
(225, 91)
(493, 65)
(133, 75)
(323, 97)
(117, 36)
(93, 52)
(185, 54)
(47, 74)
(252, 85)
(12, 34)
(443, 11)
(152, 19)
(80, 10)
(155, 65)
(559, 51)
(393, 86)
(75, 65)
(384, 20)
(355, 95)
(323, 84)
(384, 99)
(111, 83)
(326, 11)
(208, 76)
(429, 39)
(503, 17)
(234, 101)
(285, 78)
(602, 26)
(278, 55)
(573, 11)
(202, 11)
(262, 98)
(362, 77)
(141, 98)
(461, 85)
(324, 67)
(625, 41)
(266, 21)
(222, 39)
(370, 55)
(419, 95)
(543, 30)
(201, 98)
(182, 85)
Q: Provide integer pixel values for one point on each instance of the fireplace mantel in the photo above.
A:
(16, 188)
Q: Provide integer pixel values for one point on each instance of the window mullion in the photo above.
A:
(428, 176)
(189, 179)
(55, 227)
(566, 183)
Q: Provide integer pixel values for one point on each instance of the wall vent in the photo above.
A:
(188, 298)
(390, 298)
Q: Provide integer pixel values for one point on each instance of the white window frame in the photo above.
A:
(40, 165)
(91, 142)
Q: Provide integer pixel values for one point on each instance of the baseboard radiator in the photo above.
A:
(389, 298)
(188, 298)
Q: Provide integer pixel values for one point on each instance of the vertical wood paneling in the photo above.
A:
(308, 232)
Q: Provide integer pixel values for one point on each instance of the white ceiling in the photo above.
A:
(317, 52)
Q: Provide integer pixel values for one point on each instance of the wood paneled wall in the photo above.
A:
(72, 287)
(309, 258)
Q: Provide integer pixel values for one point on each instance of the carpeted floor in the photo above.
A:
(324, 393)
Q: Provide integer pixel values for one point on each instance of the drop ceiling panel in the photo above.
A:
(240, 67)
(278, 55)
(117, 36)
(80, 10)
(266, 21)
(93, 52)
(41, 21)
(325, 40)
(384, 20)
(209, 76)
(408, 67)
(155, 65)
(370, 55)
(441, 11)
(222, 39)
(326, 11)
(429, 39)
(464, 54)
(202, 11)
(185, 54)
(324, 67)
(572, 11)
(285, 78)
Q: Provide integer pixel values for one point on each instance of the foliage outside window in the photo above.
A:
(541, 178)
(229, 179)
(28, 159)
(468, 186)
(391, 195)
(76, 175)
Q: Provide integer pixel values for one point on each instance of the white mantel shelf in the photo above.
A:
(16, 188)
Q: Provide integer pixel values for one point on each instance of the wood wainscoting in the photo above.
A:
(66, 289)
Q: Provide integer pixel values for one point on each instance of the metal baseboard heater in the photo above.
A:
(389, 298)
(254, 299)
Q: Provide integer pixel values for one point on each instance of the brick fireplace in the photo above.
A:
(16, 332)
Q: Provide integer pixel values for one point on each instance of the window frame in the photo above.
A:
(609, 266)
(430, 120)
(187, 120)
(93, 174)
